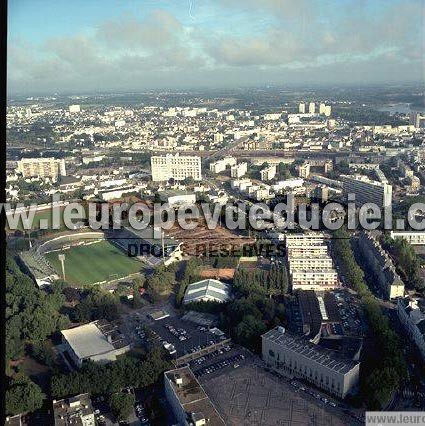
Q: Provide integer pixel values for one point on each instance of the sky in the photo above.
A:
(81, 46)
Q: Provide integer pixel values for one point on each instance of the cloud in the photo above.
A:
(252, 42)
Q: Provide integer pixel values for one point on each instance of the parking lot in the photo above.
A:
(218, 362)
(250, 395)
(349, 312)
(177, 336)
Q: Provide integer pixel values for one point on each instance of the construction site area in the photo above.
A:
(204, 241)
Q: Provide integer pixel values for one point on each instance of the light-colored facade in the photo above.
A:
(381, 265)
(268, 173)
(177, 167)
(296, 357)
(328, 111)
(312, 108)
(77, 410)
(74, 109)
(178, 197)
(411, 313)
(305, 262)
(220, 165)
(304, 170)
(238, 170)
(314, 279)
(310, 266)
(98, 341)
(42, 167)
(367, 191)
(301, 108)
(414, 237)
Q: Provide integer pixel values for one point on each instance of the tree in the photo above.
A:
(121, 405)
(23, 395)
(97, 304)
(249, 331)
(31, 315)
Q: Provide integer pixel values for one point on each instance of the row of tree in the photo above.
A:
(264, 282)
(408, 263)
(98, 379)
(382, 367)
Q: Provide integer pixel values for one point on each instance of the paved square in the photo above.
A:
(251, 396)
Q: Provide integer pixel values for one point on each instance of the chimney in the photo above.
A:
(178, 380)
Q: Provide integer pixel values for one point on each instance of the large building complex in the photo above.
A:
(310, 266)
(297, 357)
(207, 290)
(77, 410)
(367, 191)
(177, 167)
(412, 237)
(188, 400)
(98, 341)
(381, 266)
(42, 167)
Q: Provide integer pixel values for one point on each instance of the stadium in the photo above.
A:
(98, 257)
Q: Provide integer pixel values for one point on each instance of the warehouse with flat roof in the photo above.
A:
(98, 341)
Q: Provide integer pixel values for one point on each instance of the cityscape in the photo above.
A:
(226, 253)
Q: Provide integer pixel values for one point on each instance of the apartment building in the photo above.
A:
(314, 279)
(304, 170)
(268, 173)
(367, 191)
(177, 167)
(411, 312)
(77, 410)
(220, 165)
(310, 266)
(412, 237)
(313, 262)
(42, 167)
(296, 357)
(381, 265)
(238, 170)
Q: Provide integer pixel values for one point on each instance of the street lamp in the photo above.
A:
(61, 258)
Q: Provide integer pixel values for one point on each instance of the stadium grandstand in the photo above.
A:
(39, 267)
(41, 270)
(145, 246)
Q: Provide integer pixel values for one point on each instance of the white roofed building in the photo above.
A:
(98, 341)
(207, 290)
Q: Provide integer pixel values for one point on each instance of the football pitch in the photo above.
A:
(92, 263)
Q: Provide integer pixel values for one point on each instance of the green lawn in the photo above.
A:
(93, 263)
(40, 215)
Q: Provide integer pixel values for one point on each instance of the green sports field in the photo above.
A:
(92, 263)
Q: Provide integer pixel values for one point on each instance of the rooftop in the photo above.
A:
(204, 288)
(70, 410)
(316, 353)
(191, 395)
(95, 338)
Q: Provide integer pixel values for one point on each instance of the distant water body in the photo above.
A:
(401, 108)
